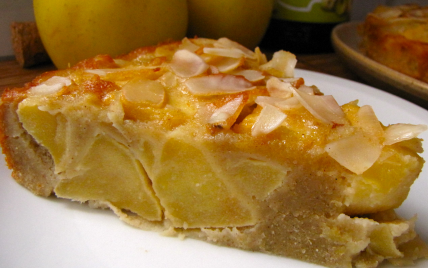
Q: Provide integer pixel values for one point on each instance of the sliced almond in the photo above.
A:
(186, 44)
(144, 91)
(270, 118)
(282, 64)
(278, 89)
(368, 122)
(250, 75)
(260, 57)
(401, 132)
(217, 84)
(227, 43)
(187, 64)
(323, 107)
(356, 153)
(224, 52)
(226, 111)
(225, 65)
(50, 86)
(280, 103)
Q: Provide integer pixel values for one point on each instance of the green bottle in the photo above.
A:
(304, 26)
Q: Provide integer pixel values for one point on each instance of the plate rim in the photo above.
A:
(374, 71)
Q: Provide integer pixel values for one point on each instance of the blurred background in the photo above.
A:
(22, 10)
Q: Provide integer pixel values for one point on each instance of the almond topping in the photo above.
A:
(282, 64)
(224, 52)
(270, 118)
(50, 86)
(225, 65)
(356, 153)
(323, 107)
(280, 103)
(186, 44)
(260, 57)
(250, 75)
(278, 89)
(369, 123)
(226, 111)
(217, 84)
(401, 132)
(227, 43)
(142, 90)
(187, 64)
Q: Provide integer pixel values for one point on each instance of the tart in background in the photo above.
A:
(398, 38)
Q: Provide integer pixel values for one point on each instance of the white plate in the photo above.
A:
(49, 232)
(346, 40)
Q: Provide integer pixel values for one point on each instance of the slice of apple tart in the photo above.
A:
(397, 37)
(207, 139)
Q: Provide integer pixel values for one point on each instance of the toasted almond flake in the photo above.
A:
(280, 103)
(356, 153)
(288, 104)
(168, 80)
(100, 72)
(290, 80)
(278, 89)
(227, 43)
(143, 90)
(250, 75)
(270, 118)
(282, 64)
(214, 70)
(217, 84)
(186, 44)
(225, 65)
(260, 57)
(121, 62)
(296, 82)
(224, 52)
(203, 42)
(50, 86)
(307, 90)
(323, 107)
(104, 72)
(187, 64)
(401, 132)
(264, 100)
(368, 122)
(226, 111)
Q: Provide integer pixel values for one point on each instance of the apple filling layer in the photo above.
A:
(198, 179)
(208, 139)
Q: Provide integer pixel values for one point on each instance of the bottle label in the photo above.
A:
(318, 11)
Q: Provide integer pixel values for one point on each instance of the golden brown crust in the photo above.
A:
(31, 164)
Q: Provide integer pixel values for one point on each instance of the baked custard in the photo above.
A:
(206, 139)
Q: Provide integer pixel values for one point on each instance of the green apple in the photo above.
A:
(72, 30)
(244, 21)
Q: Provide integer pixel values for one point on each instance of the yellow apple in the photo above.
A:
(72, 30)
(244, 21)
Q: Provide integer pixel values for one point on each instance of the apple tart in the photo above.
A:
(206, 139)
(397, 37)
